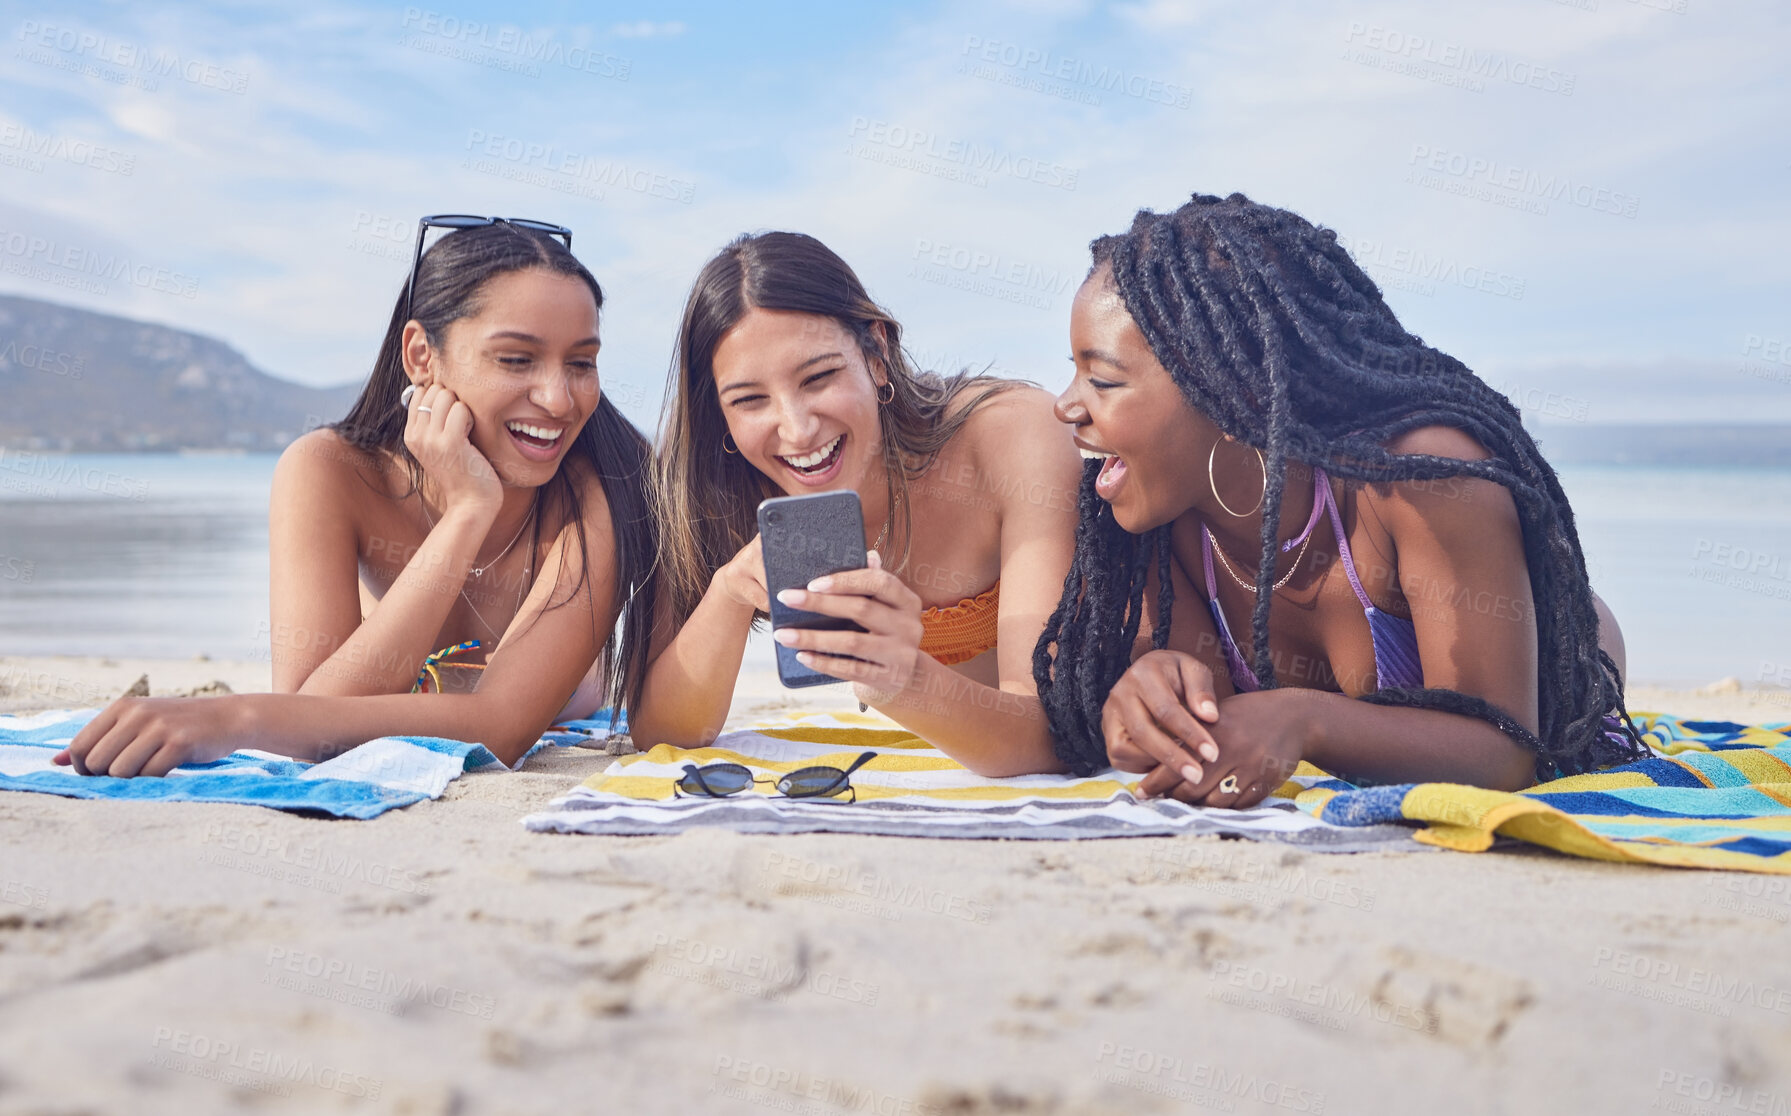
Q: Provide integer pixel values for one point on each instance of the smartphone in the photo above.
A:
(802, 538)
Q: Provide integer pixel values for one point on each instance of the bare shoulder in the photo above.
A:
(1018, 429)
(1440, 441)
(1460, 500)
(322, 460)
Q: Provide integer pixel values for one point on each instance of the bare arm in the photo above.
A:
(690, 682)
(992, 730)
(1462, 569)
(534, 670)
(1461, 566)
(321, 645)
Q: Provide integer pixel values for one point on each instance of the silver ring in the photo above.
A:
(1229, 784)
(422, 410)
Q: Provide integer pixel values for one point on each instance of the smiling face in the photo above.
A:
(526, 365)
(800, 400)
(1124, 407)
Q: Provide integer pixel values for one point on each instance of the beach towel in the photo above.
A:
(363, 782)
(1715, 795)
(913, 790)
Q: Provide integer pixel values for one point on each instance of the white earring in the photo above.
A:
(404, 396)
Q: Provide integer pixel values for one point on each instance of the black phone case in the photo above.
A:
(802, 538)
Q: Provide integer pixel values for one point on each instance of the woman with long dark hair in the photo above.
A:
(790, 379)
(1238, 376)
(480, 513)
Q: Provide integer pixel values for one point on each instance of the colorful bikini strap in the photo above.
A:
(430, 673)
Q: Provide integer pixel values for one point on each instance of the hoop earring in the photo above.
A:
(727, 443)
(890, 398)
(1213, 484)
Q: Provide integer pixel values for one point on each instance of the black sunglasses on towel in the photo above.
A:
(467, 221)
(718, 780)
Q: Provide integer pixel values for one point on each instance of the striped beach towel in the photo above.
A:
(363, 782)
(913, 790)
(1715, 795)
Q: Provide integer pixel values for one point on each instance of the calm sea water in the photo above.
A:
(167, 556)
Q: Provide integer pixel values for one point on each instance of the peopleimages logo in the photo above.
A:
(920, 149)
(42, 257)
(1459, 172)
(510, 48)
(82, 153)
(1471, 64)
(80, 49)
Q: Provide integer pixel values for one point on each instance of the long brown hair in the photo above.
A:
(450, 279)
(707, 500)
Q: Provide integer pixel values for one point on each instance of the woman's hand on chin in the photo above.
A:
(437, 431)
(882, 658)
(153, 736)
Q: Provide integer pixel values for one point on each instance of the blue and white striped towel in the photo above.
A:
(364, 782)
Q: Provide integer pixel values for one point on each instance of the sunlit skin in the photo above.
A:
(363, 587)
(1174, 716)
(998, 504)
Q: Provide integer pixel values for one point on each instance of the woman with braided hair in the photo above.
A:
(1237, 376)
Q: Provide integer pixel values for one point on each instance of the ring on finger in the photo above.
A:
(422, 410)
(1229, 784)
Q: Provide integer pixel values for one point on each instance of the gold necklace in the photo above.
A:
(527, 567)
(1250, 586)
(883, 535)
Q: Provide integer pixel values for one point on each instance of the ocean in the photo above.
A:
(166, 556)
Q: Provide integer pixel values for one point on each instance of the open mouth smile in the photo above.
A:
(1112, 474)
(819, 462)
(540, 443)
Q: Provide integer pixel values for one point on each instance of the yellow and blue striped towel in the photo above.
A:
(911, 789)
(1715, 795)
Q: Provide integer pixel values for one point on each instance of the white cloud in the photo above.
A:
(273, 195)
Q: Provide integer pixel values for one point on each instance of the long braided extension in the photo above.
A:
(1274, 333)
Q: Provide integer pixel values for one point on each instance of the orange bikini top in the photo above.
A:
(958, 633)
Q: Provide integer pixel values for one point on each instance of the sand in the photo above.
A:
(441, 959)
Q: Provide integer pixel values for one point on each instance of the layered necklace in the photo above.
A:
(479, 571)
(1321, 493)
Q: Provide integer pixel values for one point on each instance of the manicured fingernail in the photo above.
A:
(791, 597)
(820, 585)
(1208, 710)
(1191, 773)
(1209, 752)
(784, 636)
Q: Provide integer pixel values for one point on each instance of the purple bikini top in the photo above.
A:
(1396, 663)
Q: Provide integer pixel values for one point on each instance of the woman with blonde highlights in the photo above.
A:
(791, 380)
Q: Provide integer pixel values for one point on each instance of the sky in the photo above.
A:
(1582, 200)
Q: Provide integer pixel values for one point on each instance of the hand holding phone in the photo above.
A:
(860, 623)
(803, 538)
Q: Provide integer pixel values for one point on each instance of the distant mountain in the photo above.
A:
(82, 382)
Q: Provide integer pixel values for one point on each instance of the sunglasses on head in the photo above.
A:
(467, 221)
(718, 780)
